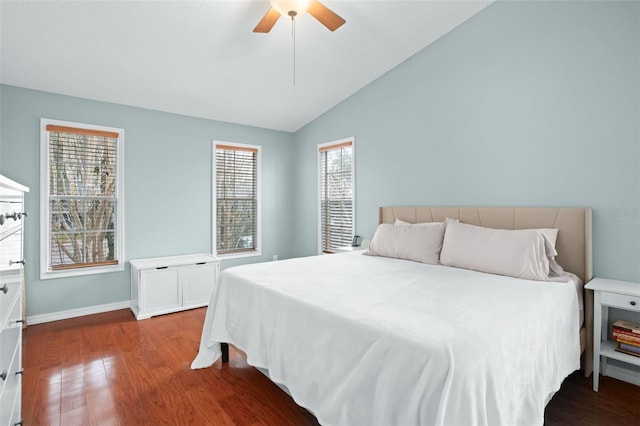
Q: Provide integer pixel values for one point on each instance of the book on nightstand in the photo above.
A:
(627, 327)
(627, 336)
(628, 349)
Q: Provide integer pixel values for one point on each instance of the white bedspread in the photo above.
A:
(362, 340)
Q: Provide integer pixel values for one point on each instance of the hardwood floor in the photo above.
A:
(617, 403)
(109, 369)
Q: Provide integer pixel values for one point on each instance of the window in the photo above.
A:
(82, 218)
(337, 195)
(237, 200)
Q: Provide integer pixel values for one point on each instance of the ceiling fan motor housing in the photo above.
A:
(291, 8)
(295, 8)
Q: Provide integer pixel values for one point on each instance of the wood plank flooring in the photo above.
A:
(109, 369)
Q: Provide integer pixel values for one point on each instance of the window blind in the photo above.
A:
(82, 197)
(336, 196)
(236, 199)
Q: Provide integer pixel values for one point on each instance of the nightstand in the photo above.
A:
(610, 294)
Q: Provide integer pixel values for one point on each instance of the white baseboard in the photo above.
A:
(73, 313)
(623, 374)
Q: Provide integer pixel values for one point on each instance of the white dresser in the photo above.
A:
(163, 285)
(12, 216)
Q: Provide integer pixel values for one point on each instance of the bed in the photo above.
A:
(372, 340)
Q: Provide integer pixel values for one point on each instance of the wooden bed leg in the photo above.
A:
(225, 352)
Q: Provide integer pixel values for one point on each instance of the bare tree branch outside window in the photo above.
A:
(83, 199)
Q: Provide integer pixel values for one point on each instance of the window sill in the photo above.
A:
(239, 255)
(46, 275)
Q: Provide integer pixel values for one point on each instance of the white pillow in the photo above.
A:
(552, 235)
(522, 253)
(419, 243)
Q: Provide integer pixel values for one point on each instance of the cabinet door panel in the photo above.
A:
(160, 289)
(198, 281)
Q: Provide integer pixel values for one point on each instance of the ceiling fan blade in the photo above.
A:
(326, 16)
(267, 22)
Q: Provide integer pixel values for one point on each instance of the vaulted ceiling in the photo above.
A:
(201, 58)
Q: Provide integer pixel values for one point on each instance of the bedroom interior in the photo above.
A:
(529, 103)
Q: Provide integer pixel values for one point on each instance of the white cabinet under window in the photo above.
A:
(163, 285)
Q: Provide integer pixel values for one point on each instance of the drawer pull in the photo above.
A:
(3, 376)
(4, 289)
(162, 267)
(11, 262)
(201, 263)
(14, 215)
(20, 423)
(20, 372)
(20, 321)
(633, 303)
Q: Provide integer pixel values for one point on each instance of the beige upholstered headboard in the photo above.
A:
(573, 243)
(574, 224)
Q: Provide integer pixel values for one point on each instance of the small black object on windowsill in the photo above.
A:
(356, 241)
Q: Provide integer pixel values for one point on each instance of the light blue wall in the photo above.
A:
(168, 171)
(527, 103)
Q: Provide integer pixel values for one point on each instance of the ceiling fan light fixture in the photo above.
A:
(286, 7)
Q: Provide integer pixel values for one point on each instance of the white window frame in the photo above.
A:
(45, 244)
(351, 139)
(214, 224)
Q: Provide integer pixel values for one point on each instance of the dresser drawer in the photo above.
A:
(15, 316)
(16, 413)
(11, 387)
(11, 251)
(11, 217)
(11, 373)
(9, 339)
(12, 285)
(630, 303)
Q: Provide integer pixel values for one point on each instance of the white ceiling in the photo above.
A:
(201, 58)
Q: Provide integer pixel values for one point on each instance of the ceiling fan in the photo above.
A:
(294, 8)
